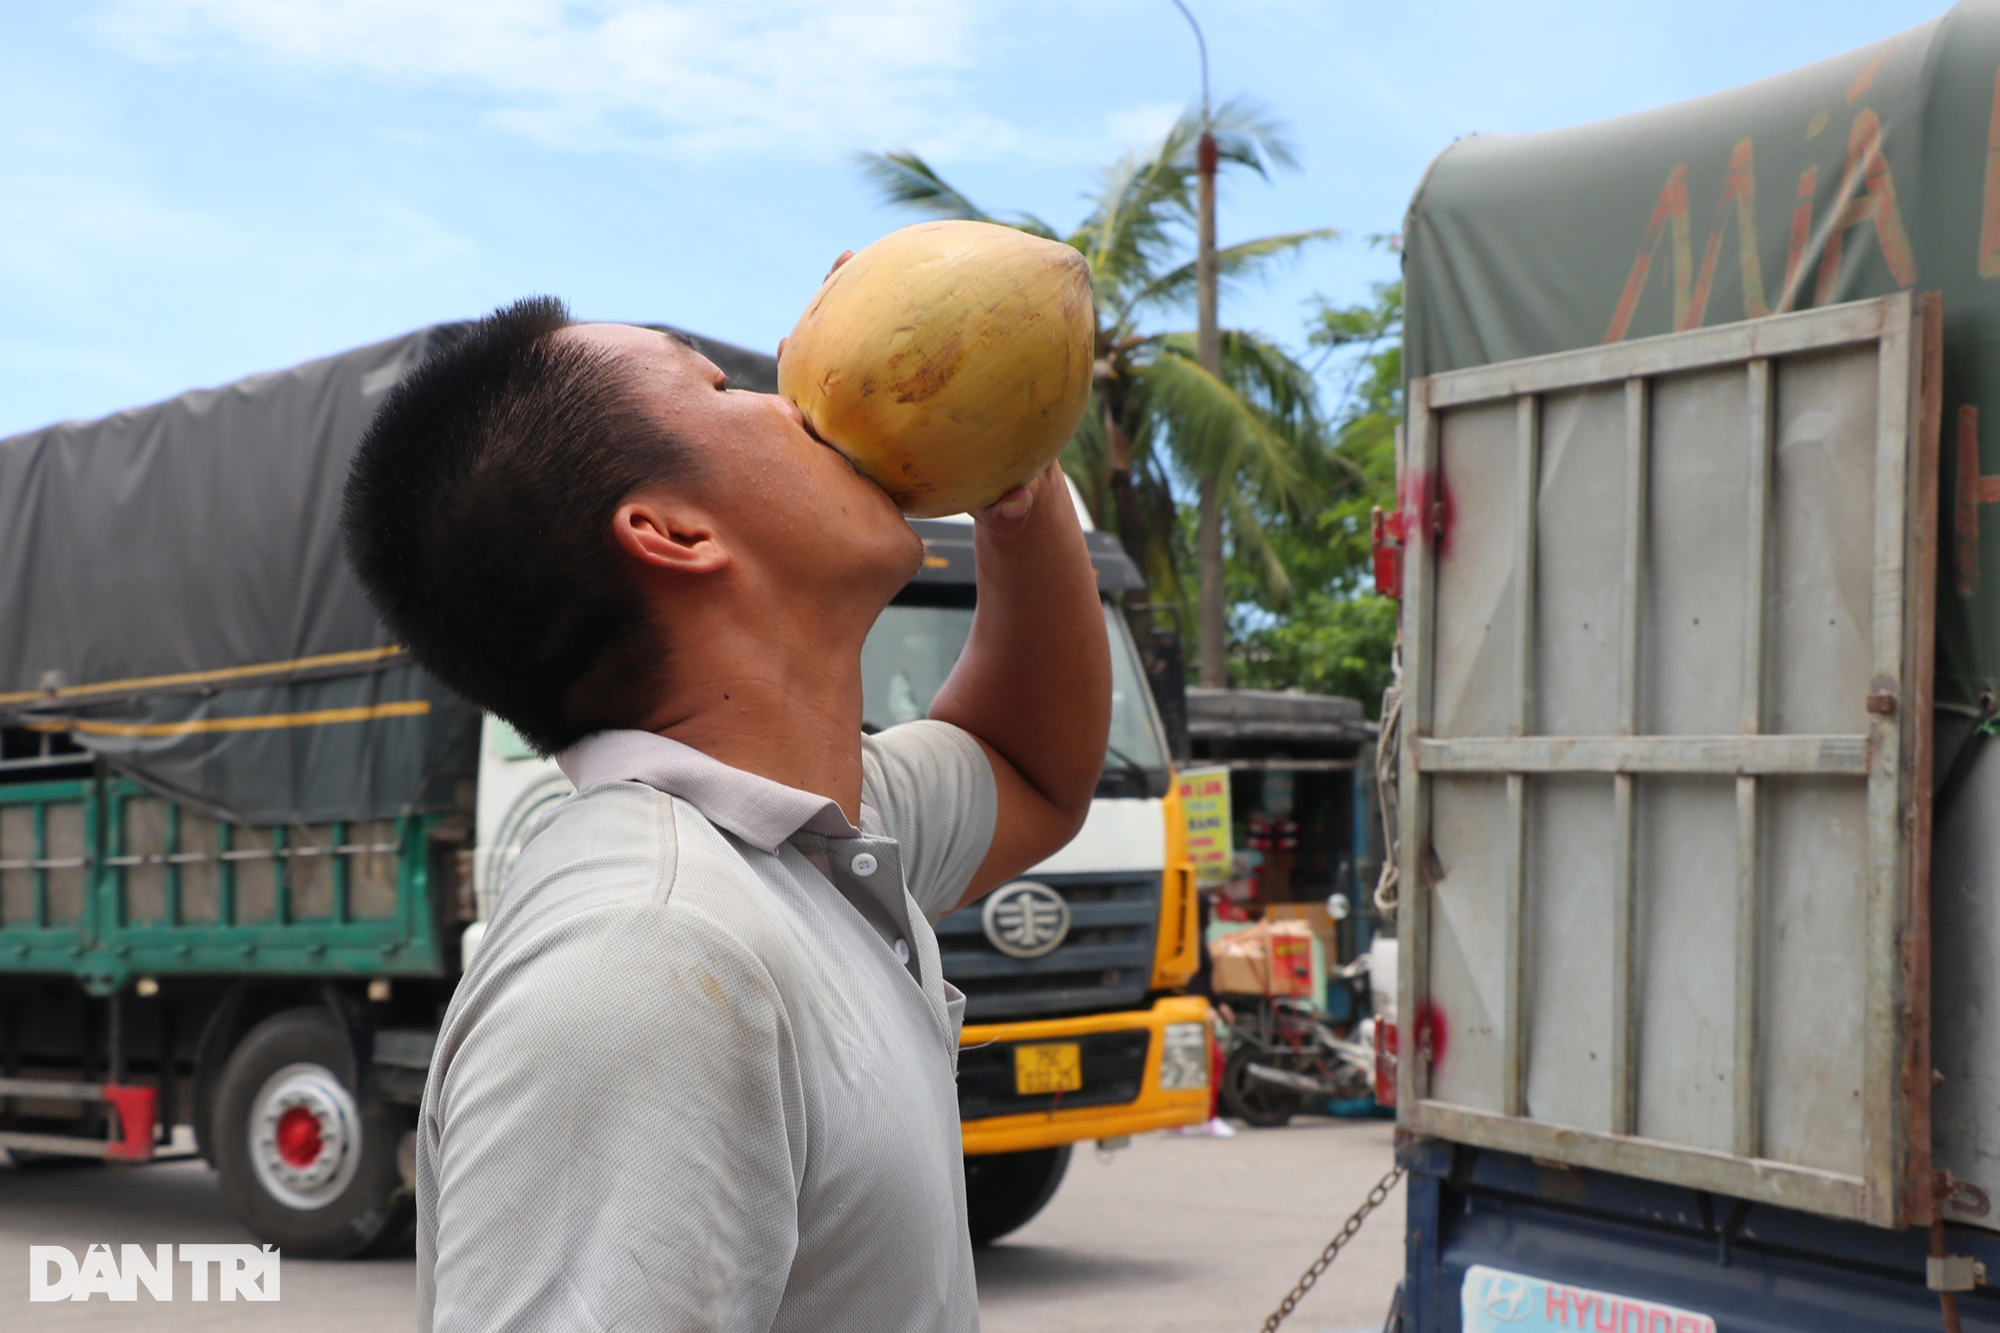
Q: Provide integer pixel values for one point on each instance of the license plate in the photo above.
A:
(1054, 1067)
(1495, 1301)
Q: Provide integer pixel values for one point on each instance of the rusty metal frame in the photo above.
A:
(1893, 759)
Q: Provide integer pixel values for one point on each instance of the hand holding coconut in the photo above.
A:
(949, 361)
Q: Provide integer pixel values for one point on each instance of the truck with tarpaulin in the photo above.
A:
(1697, 892)
(246, 845)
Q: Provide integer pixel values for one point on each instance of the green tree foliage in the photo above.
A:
(1156, 417)
(1332, 634)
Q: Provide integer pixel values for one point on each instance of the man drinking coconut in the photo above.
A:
(700, 1075)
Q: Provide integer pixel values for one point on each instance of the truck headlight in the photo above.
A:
(1184, 1057)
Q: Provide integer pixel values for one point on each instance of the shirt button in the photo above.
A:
(903, 952)
(863, 865)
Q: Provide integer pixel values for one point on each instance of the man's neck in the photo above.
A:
(793, 718)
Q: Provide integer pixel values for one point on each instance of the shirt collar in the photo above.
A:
(761, 812)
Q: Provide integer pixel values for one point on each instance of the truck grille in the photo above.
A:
(1114, 1066)
(1104, 963)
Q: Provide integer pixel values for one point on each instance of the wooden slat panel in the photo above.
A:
(1745, 1116)
(1882, 1122)
(1671, 1163)
(1527, 509)
(1624, 960)
(1746, 1111)
(1919, 1203)
(1513, 1037)
(1885, 1186)
(1835, 326)
(1625, 864)
(1413, 923)
(1722, 756)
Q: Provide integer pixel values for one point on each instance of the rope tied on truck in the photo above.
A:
(1388, 757)
(1376, 1196)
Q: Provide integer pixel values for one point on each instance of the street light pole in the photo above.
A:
(1213, 613)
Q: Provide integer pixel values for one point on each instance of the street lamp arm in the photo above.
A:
(1201, 43)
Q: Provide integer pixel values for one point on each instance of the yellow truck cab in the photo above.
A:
(1076, 1024)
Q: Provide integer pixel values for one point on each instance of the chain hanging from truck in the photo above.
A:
(1383, 1188)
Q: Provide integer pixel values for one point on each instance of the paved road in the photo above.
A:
(1181, 1235)
(1170, 1236)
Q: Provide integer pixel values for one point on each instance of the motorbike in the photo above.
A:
(1282, 1057)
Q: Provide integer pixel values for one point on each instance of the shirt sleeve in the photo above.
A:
(933, 789)
(566, 1196)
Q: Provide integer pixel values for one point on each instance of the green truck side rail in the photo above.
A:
(105, 880)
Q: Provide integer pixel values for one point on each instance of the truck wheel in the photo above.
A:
(1004, 1189)
(1253, 1101)
(305, 1165)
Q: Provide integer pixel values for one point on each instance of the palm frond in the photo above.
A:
(1341, 326)
(904, 179)
(1232, 262)
(1249, 135)
(1211, 430)
(1145, 202)
(1169, 550)
(1256, 427)
(907, 181)
(1268, 376)
(1085, 460)
(1246, 529)
(1144, 205)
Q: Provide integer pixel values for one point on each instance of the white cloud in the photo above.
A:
(784, 78)
(1143, 125)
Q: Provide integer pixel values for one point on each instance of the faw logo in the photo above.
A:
(220, 1272)
(1026, 919)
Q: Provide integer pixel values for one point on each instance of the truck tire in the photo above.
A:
(305, 1164)
(1255, 1103)
(1004, 1189)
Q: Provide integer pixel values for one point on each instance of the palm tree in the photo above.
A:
(1254, 434)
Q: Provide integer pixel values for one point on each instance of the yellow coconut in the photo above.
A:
(950, 360)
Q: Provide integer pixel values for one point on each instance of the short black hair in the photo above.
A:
(478, 515)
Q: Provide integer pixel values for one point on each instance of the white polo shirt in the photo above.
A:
(701, 1073)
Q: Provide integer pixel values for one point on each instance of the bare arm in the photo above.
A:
(1033, 685)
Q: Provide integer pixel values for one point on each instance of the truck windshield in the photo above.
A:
(912, 648)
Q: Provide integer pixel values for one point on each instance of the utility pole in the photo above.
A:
(1213, 614)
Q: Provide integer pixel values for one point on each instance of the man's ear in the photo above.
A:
(668, 536)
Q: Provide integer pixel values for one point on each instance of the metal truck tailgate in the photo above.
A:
(1668, 638)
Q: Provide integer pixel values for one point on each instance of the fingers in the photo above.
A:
(840, 259)
(1008, 514)
(1014, 505)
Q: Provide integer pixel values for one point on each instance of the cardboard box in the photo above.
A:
(1314, 914)
(1270, 958)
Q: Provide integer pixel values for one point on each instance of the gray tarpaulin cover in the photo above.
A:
(175, 599)
(1862, 175)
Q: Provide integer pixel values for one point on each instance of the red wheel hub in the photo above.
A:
(299, 1141)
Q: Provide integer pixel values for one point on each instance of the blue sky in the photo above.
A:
(194, 190)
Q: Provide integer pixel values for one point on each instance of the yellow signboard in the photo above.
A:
(1205, 803)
